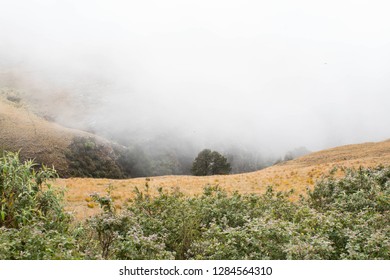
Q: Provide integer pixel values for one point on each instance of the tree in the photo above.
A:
(210, 163)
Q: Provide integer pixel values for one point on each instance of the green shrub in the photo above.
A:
(121, 237)
(340, 218)
(34, 242)
(357, 211)
(33, 223)
(172, 217)
(87, 158)
(357, 190)
(26, 196)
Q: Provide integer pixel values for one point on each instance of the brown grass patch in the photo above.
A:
(297, 174)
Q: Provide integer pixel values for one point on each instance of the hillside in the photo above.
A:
(296, 174)
(76, 153)
(50, 143)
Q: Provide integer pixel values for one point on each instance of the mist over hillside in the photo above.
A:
(169, 78)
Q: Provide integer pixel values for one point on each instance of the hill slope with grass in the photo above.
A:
(75, 153)
(71, 151)
(296, 175)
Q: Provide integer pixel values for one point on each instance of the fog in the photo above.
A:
(264, 75)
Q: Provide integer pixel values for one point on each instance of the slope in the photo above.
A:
(294, 175)
(46, 142)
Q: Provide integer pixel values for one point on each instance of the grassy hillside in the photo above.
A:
(296, 174)
(76, 154)
(183, 217)
(71, 151)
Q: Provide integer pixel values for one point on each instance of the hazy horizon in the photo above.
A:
(272, 76)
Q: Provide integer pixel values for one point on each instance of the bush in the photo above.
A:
(350, 222)
(88, 158)
(357, 190)
(341, 218)
(34, 242)
(33, 223)
(26, 196)
(121, 237)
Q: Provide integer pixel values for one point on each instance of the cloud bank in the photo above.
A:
(266, 75)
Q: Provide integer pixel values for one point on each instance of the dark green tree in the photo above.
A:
(210, 163)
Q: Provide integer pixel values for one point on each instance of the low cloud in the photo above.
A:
(265, 76)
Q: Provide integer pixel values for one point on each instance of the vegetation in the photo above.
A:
(210, 163)
(33, 223)
(87, 158)
(341, 218)
(25, 196)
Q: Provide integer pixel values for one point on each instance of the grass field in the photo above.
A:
(297, 174)
(41, 139)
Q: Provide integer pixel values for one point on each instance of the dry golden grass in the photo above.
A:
(296, 174)
(21, 129)
(36, 137)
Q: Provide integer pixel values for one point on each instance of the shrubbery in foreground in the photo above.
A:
(346, 218)
(33, 223)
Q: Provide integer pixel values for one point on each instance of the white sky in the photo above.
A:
(271, 74)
